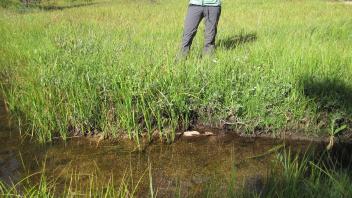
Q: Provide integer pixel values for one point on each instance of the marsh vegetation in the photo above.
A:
(107, 68)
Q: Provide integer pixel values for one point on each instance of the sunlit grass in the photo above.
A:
(110, 68)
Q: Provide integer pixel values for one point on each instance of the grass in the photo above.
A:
(110, 68)
(23, 6)
(78, 185)
(306, 177)
(75, 183)
(293, 175)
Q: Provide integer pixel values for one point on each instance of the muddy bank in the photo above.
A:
(201, 132)
(213, 134)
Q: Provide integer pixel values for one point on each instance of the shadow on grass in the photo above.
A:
(233, 42)
(333, 98)
(331, 95)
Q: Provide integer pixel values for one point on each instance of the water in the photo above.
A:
(188, 164)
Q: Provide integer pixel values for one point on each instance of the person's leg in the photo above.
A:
(193, 18)
(212, 16)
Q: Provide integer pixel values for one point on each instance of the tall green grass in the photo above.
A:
(308, 177)
(110, 68)
(292, 175)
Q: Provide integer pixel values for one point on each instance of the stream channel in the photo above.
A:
(189, 164)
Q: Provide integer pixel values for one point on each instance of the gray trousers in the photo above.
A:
(195, 14)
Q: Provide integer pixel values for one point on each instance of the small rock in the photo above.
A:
(191, 133)
(179, 133)
(207, 133)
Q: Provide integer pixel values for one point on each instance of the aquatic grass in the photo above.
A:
(77, 184)
(91, 69)
(293, 174)
(307, 175)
